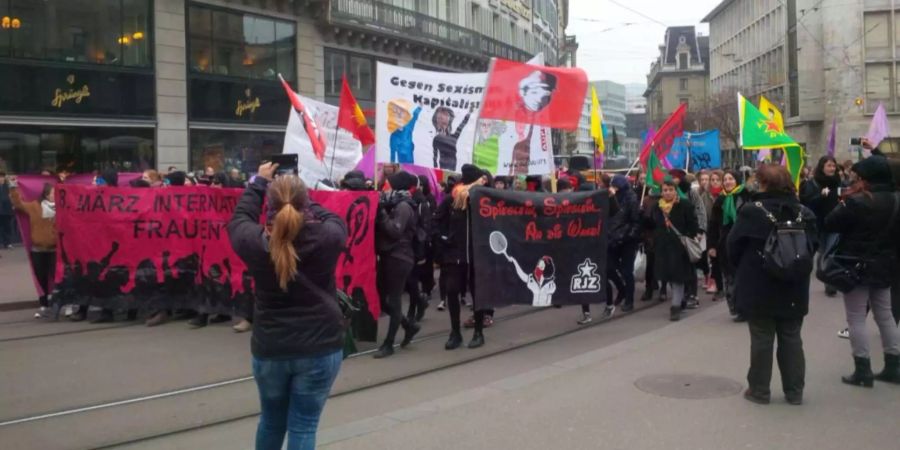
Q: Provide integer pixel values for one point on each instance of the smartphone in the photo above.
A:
(857, 141)
(287, 164)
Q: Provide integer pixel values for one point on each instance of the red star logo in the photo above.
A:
(772, 126)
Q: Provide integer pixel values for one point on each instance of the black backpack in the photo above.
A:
(787, 254)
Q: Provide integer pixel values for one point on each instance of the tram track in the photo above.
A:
(222, 384)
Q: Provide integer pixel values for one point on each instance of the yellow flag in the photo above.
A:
(770, 111)
(597, 122)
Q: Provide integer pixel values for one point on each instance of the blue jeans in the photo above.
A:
(292, 394)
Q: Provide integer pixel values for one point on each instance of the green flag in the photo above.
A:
(760, 131)
(655, 174)
(615, 143)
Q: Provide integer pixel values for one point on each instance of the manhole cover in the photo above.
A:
(688, 386)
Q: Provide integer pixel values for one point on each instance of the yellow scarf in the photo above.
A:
(665, 206)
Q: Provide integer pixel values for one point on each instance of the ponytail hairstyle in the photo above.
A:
(287, 198)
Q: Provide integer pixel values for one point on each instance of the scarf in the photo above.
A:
(48, 209)
(729, 209)
(715, 191)
(665, 206)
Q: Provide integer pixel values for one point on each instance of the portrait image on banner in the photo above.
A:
(422, 116)
(539, 249)
(341, 149)
(702, 149)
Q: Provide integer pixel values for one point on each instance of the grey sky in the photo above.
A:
(619, 45)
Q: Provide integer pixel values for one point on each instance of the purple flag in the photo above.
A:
(764, 154)
(879, 128)
(831, 137)
(598, 160)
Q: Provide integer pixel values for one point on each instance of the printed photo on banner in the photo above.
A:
(422, 116)
(340, 150)
(535, 94)
(538, 249)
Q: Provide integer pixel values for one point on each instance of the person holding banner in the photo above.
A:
(395, 229)
(42, 219)
(298, 332)
(455, 240)
(671, 218)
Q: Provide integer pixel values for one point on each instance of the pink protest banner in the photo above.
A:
(30, 188)
(355, 272)
(169, 248)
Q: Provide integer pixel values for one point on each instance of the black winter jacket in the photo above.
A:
(866, 232)
(306, 320)
(757, 294)
(6, 208)
(625, 218)
(453, 232)
(671, 261)
(395, 227)
(717, 237)
(821, 205)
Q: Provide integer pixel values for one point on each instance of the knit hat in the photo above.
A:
(678, 173)
(875, 170)
(176, 178)
(563, 183)
(403, 181)
(470, 173)
(111, 177)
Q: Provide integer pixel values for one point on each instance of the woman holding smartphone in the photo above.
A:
(298, 331)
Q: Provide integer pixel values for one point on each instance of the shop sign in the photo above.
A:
(70, 93)
(249, 104)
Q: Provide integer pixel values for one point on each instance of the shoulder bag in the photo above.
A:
(692, 246)
(844, 273)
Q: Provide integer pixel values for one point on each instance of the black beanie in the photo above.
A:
(470, 173)
(402, 181)
(176, 178)
(111, 177)
(875, 170)
(358, 174)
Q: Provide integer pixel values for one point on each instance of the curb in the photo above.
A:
(19, 305)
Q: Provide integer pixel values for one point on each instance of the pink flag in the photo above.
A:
(763, 155)
(831, 137)
(879, 128)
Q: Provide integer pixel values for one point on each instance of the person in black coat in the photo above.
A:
(724, 213)
(867, 222)
(821, 194)
(773, 307)
(624, 238)
(672, 263)
(298, 330)
(395, 229)
(455, 245)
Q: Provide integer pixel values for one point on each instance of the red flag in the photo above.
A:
(351, 117)
(316, 136)
(546, 96)
(661, 142)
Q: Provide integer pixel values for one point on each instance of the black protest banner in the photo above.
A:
(538, 249)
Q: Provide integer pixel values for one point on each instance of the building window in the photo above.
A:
(683, 84)
(237, 44)
(30, 149)
(878, 86)
(107, 32)
(682, 61)
(223, 150)
(881, 65)
(360, 71)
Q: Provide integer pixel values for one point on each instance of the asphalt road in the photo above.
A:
(540, 382)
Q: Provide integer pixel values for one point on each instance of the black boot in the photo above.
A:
(410, 328)
(386, 349)
(80, 315)
(132, 315)
(423, 305)
(199, 321)
(675, 313)
(891, 372)
(477, 340)
(454, 341)
(863, 375)
(648, 295)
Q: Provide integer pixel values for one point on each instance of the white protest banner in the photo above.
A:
(421, 115)
(344, 153)
(429, 119)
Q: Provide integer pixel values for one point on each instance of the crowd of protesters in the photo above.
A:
(850, 210)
